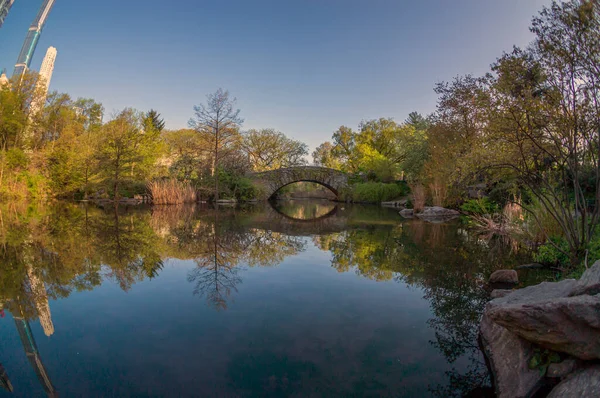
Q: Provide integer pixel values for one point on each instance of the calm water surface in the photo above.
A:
(303, 300)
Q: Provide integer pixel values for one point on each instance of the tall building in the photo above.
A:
(3, 79)
(41, 301)
(33, 355)
(32, 38)
(43, 83)
(4, 9)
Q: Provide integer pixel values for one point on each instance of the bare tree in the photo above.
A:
(218, 121)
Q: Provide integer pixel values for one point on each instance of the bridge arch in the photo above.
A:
(272, 181)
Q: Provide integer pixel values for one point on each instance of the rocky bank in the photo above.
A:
(545, 335)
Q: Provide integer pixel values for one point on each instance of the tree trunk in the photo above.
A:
(216, 176)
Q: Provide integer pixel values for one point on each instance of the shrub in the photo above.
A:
(237, 187)
(553, 252)
(483, 206)
(375, 192)
(16, 159)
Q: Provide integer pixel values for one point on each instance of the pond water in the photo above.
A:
(304, 299)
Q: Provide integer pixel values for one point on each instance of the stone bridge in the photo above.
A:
(272, 181)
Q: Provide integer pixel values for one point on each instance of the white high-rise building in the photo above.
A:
(47, 68)
(44, 81)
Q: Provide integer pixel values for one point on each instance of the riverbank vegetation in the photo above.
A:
(528, 129)
(525, 136)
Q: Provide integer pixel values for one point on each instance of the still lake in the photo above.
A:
(303, 299)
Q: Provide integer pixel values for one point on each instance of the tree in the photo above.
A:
(344, 143)
(456, 137)
(268, 149)
(417, 121)
(546, 118)
(153, 120)
(218, 122)
(124, 144)
(323, 156)
(184, 148)
(16, 120)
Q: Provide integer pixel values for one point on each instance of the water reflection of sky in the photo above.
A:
(371, 306)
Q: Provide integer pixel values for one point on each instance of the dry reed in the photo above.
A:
(171, 192)
(439, 192)
(418, 198)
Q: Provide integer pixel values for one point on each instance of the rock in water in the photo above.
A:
(564, 324)
(508, 356)
(589, 282)
(581, 384)
(407, 213)
(437, 214)
(504, 276)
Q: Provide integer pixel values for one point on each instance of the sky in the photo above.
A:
(304, 67)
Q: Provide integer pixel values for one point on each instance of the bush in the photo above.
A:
(375, 192)
(234, 186)
(551, 252)
(16, 159)
(480, 207)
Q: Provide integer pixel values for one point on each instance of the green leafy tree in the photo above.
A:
(268, 149)
(126, 151)
(323, 156)
(153, 120)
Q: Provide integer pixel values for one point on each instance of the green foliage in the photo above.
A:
(269, 149)
(376, 192)
(541, 359)
(237, 187)
(153, 121)
(483, 206)
(554, 252)
(16, 159)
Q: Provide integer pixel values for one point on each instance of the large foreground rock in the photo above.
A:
(589, 282)
(564, 368)
(581, 384)
(508, 357)
(545, 315)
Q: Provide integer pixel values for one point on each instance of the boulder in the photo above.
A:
(589, 283)
(407, 213)
(508, 357)
(584, 383)
(437, 214)
(532, 294)
(545, 315)
(395, 203)
(504, 276)
(563, 369)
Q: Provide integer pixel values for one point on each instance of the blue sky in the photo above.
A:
(304, 67)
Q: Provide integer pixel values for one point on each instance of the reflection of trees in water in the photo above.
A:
(449, 267)
(223, 247)
(62, 249)
(65, 246)
(128, 247)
